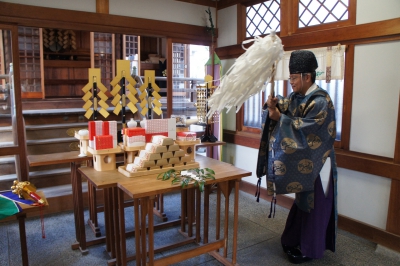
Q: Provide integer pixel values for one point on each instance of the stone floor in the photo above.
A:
(258, 240)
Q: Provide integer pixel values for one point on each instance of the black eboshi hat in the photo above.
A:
(302, 61)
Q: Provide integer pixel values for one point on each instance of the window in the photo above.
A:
(131, 52)
(335, 89)
(104, 56)
(263, 17)
(179, 64)
(316, 12)
(253, 106)
(29, 54)
(188, 69)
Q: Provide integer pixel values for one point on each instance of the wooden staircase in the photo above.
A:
(49, 130)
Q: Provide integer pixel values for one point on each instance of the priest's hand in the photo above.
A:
(273, 111)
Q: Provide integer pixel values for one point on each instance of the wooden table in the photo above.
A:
(77, 197)
(159, 203)
(113, 205)
(144, 189)
(21, 223)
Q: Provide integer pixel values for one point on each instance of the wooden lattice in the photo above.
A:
(316, 12)
(263, 17)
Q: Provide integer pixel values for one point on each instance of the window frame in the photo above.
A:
(350, 21)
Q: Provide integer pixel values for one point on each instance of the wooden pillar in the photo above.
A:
(102, 6)
(169, 77)
(393, 218)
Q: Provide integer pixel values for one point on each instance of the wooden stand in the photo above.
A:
(130, 153)
(104, 160)
(83, 145)
(188, 147)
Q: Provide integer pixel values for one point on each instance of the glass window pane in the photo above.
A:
(315, 12)
(103, 56)
(253, 106)
(29, 50)
(188, 71)
(262, 18)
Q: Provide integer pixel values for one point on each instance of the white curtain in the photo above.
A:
(330, 63)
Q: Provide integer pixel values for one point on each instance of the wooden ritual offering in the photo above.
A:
(130, 153)
(188, 147)
(105, 159)
(83, 144)
(157, 157)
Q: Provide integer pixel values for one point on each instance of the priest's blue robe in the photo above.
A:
(292, 153)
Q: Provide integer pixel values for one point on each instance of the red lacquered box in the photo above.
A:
(136, 131)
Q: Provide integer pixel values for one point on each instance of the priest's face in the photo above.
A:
(299, 82)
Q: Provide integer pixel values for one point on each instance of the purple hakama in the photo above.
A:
(313, 232)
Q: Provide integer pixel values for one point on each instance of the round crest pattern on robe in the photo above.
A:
(288, 145)
(300, 142)
(313, 141)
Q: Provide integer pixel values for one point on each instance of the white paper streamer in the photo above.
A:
(247, 75)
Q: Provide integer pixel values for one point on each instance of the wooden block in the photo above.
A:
(174, 160)
(148, 155)
(189, 150)
(130, 156)
(166, 155)
(143, 162)
(179, 153)
(185, 159)
(133, 168)
(162, 162)
(136, 148)
(155, 148)
(104, 162)
(173, 147)
(162, 140)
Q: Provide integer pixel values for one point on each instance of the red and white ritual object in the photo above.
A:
(103, 144)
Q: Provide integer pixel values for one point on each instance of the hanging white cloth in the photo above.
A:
(330, 63)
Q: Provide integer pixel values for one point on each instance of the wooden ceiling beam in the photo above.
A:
(221, 4)
(364, 33)
(33, 16)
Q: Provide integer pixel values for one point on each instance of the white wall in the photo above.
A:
(165, 10)
(78, 5)
(376, 91)
(372, 10)
(362, 196)
(227, 26)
